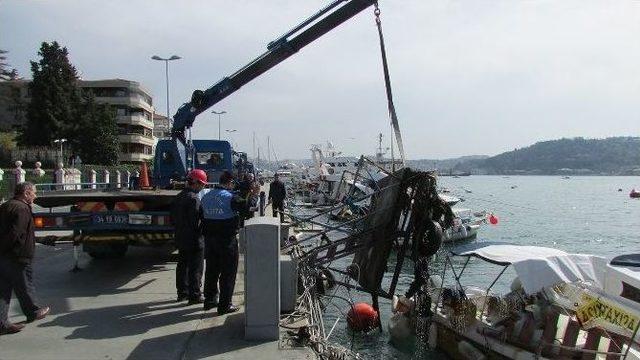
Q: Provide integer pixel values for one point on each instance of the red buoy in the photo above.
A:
(362, 317)
(493, 220)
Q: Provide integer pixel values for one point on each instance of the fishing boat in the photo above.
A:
(465, 225)
(561, 306)
(634, 194)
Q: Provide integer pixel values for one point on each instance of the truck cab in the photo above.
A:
(212, 156)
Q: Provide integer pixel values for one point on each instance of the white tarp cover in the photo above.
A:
(537, 267)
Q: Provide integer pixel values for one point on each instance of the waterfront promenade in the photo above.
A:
(125, 309)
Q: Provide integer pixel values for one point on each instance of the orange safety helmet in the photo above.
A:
(197, 175)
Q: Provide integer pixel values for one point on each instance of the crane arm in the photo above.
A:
(278, 50)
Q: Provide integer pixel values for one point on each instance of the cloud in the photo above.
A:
(469, 77)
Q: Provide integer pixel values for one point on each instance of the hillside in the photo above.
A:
(444, 165)
(577, 156)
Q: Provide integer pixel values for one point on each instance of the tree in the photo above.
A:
(6, 73)
(10, 96)
(55, 97)
(95, 137)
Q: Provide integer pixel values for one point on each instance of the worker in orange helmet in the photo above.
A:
(186, 214)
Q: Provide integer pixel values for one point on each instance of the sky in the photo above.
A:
(469, 77)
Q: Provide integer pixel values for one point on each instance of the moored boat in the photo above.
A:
(560, 306)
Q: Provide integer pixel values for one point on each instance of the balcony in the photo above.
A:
(134, 157)
(134, 120)
(131, 101)
(137, 139)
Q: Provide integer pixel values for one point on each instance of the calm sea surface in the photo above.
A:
(579, 215)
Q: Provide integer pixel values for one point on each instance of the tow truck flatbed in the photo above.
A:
(156, 198)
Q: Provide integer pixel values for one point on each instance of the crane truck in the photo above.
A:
(106, 223)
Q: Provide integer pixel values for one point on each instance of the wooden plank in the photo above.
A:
(570, 338)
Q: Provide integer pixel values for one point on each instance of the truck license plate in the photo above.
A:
(110, 219)
(139, 219)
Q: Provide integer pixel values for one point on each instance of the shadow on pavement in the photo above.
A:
(198, 344)
(124, 320)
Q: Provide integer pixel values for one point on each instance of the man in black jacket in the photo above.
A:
(220, 226)
(17, 248)
(187, 219)
(277, 195)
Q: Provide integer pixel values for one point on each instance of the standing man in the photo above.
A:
(220, 226)
(187, 218)
(17, 248)
(277, 195)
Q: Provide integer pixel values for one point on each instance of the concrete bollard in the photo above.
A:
(17, 176)
(262, 266)
(126, 179)
(92, 179)
(105, 178)
(37, 171)
(77, 178)
(19, 173)
(58, 176)
(117, 179)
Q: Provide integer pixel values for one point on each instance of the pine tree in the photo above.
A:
(6, 73)
(55, 97)
(95, 137)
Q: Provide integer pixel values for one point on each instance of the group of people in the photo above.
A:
(206, 226)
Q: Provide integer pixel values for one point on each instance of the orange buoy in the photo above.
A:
(493, 220)
(362, 317)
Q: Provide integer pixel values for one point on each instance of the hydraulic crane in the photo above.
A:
(175, 156)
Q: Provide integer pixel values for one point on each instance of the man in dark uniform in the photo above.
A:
(220, 226)
(277, 195)
(17, 248)
(187, 219)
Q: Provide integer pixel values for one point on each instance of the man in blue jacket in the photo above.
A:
(221, 209)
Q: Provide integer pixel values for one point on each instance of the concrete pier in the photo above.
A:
(125, 309)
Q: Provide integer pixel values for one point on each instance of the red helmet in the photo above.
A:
(197, 175)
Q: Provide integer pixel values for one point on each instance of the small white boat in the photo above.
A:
(465, 226)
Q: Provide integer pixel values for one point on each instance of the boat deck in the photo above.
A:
(125, 309)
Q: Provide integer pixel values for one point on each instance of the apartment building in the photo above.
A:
(161, 126)
(132, 103)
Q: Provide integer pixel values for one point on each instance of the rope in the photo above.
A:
(387, 83)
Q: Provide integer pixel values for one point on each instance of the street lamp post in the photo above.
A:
(61, 141)
(229, 132)
(219, 115)
(166, 75)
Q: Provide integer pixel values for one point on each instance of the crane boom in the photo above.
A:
(278, 50)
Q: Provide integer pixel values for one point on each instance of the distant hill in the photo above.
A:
(577, 156)
(444, 165)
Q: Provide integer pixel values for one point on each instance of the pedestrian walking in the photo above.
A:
(277, 195)
(221, 209)
(17, 249)
(187, 219)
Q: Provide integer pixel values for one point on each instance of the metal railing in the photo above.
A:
(57, 187)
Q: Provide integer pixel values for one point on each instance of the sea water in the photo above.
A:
(585, 214)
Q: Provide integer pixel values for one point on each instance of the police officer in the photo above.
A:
(220, 227)
(187, 218)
